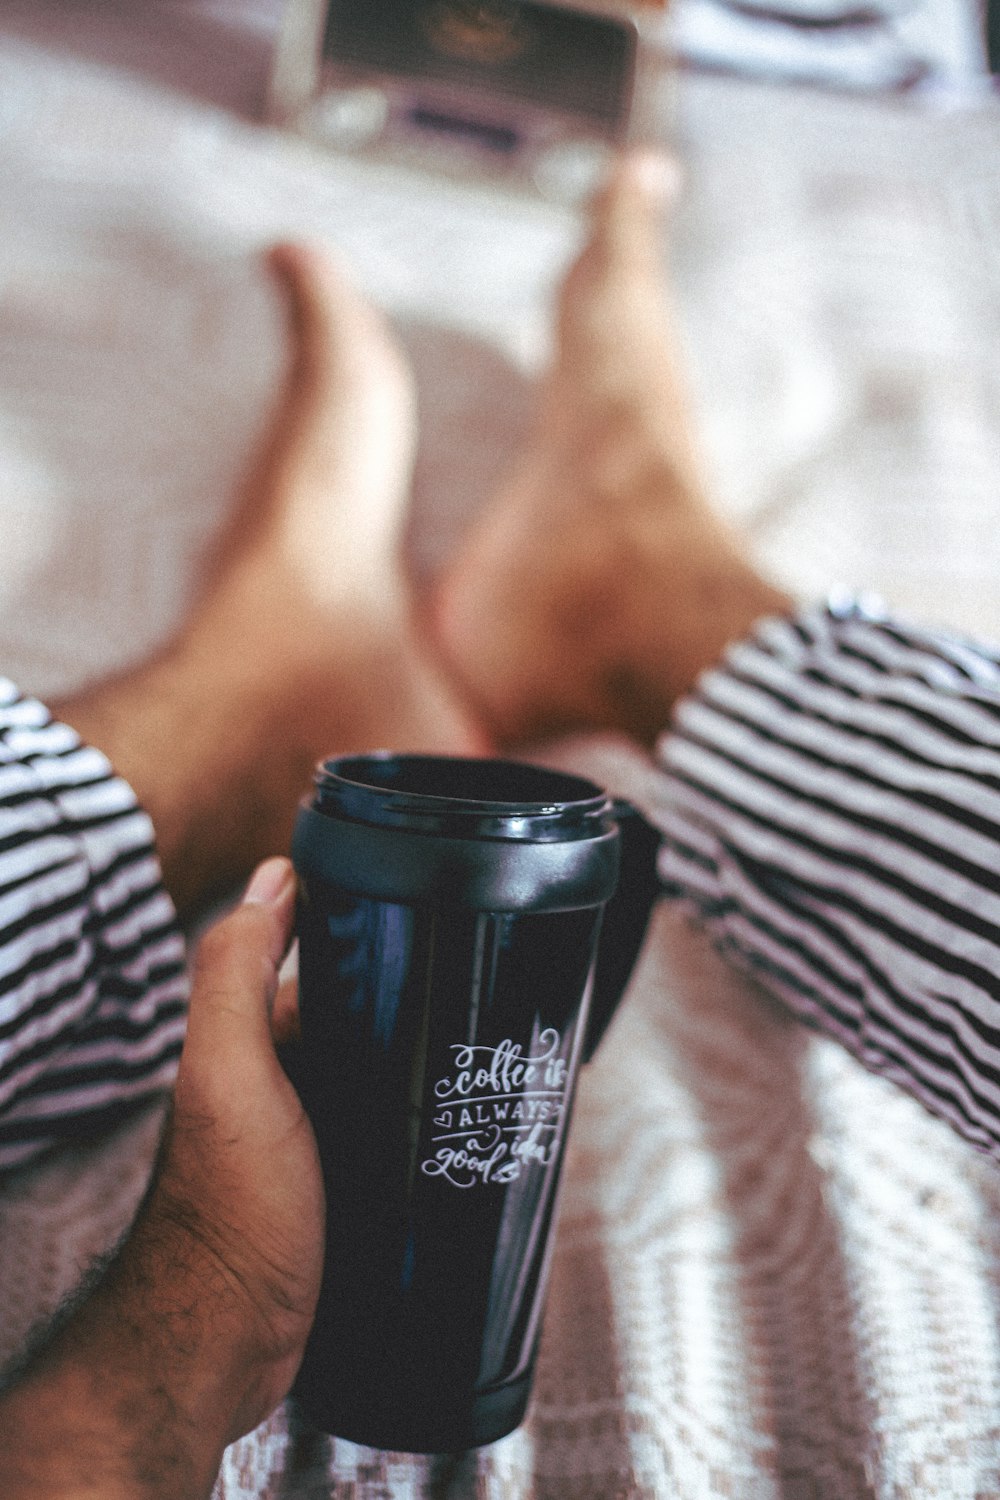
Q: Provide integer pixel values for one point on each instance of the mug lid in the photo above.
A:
(461, 797)
(492, 835)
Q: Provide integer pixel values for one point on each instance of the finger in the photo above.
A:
(236, 970)
(270, 886)
(285, 1011)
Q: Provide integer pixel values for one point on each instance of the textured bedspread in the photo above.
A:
(774, 1276)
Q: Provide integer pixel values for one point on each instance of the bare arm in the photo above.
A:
(196, 1331)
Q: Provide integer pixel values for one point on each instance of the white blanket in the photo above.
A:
(774, 1275)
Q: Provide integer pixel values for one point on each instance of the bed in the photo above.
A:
(775, 1277)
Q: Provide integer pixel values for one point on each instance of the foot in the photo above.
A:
(303, 643)
(311, 579)
(598, 584)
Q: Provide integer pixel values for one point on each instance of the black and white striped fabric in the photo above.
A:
(832, 814)
(93, 986)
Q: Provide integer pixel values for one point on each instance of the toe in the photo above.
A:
(319, 302)
(617, 280)
(349, 385)
(625, 213)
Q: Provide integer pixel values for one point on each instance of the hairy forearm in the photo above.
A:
(195, 1331)
(134, 1396)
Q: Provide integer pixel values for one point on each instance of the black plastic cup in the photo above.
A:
(448, 929)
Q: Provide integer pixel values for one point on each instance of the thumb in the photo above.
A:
(236, 969)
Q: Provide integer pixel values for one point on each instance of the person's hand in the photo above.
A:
(197, 1329)
(238, 1192)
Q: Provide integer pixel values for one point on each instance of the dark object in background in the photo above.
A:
(517, 52)
(449, 922)
(520, 92)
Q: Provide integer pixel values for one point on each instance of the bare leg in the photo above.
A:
(303, 643)
(599, 583)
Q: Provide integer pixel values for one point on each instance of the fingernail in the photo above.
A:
(268, 883)
(658, 174)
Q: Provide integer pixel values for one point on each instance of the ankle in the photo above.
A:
(719, 602)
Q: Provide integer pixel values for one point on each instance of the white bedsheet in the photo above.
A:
(775, 1277)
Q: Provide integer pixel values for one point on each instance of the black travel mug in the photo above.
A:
(449, 918)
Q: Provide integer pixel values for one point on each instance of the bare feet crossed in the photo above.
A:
(302, 643)
(598, 583)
